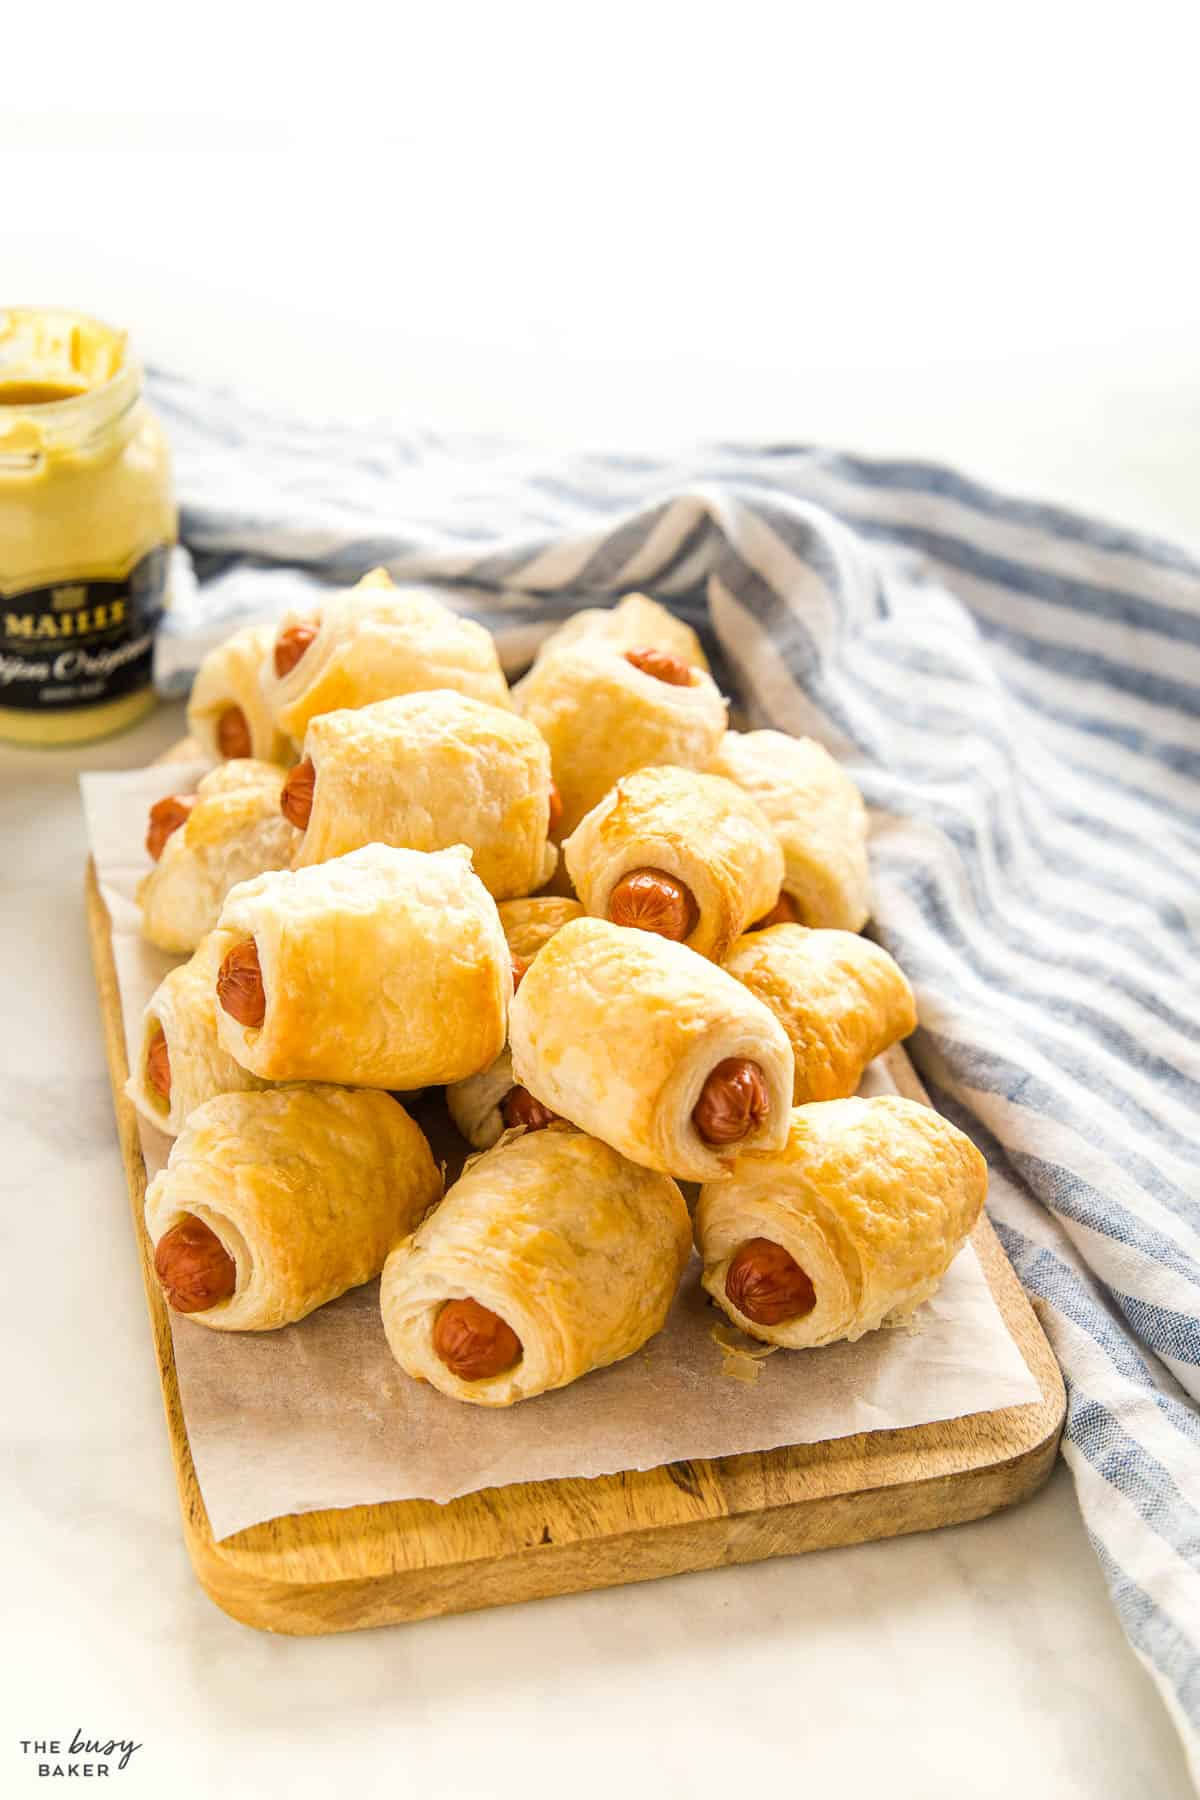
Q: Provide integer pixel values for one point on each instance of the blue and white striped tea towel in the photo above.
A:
(1016, 689)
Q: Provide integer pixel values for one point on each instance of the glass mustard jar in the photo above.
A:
(87, 521)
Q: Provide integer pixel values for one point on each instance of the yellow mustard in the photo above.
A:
(87, 521)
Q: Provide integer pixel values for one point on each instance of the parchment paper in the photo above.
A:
(318, 1414)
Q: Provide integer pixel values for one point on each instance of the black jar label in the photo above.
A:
(80, 643)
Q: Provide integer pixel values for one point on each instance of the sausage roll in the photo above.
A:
(229, 830)
(635, 622)
(840, 998)
(227, 711)
(652, 1048)
(549, 1257)
(372, 642)
(180, 1064)
(686, 855)
(385, 968)
(606, 712)
(273, 1203)
(491, 1102)
(850, 1226)
(819, 819)
(423, 772)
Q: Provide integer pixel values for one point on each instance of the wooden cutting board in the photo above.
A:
(347, 1569)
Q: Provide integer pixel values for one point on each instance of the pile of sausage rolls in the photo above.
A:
(620, 938)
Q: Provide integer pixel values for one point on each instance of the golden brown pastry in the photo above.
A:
(819, 819)
(530, 924)
(274, 1203)
(227, 712)
(654, 1049)
(204, 843)
(423, 772)
(689, 856)
(550, 1256)
(605, 712)
(385, 968)
(491, 1102)
(848, 1227)
(635, 623)
(840, 998)
(372, 642)
(179, 1063)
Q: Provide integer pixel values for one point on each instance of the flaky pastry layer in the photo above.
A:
(234, 832)
(308, 1189)
(818, 816)
(385, 968)
(636, 623)
(699, 829)
(530, 924)
(184, 1008)
(841, 999)
(618, 1030)
(872, 1198)
(475, 1104)
(375, 641)
(603, 718)
(231, 675)
(578, 1250)
(428, 770)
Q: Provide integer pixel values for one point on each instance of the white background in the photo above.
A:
(963, 232)
(958, 231)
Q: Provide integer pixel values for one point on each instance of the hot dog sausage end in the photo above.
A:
(290, 646)
(194, 1267)
(520, 1108)
(233, 733)
(166, 816)
(664, 667)
(158, 1064)
(767, 1284)
(732, 1103)
(784, 912)
(652, 900)
(240, 987)
(474, 1343)
(296, 795)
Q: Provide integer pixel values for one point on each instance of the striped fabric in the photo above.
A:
(1016, 689)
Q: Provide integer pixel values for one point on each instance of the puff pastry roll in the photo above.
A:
(652, 1048)
(819, 819)
(229, 830)
(841, 999)
(274, 1203)
(635, 622)
(530, 924)
(848, 1227)
(551, 1256)
(689, 856)
(372, 642)
(423, 772)
(227, 711)
(179, 1063)
(385, 968)
(487, 1104)
(606, 712)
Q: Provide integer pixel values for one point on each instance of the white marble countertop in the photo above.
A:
(984, 1659)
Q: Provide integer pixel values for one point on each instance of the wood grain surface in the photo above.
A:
(348, 1569)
